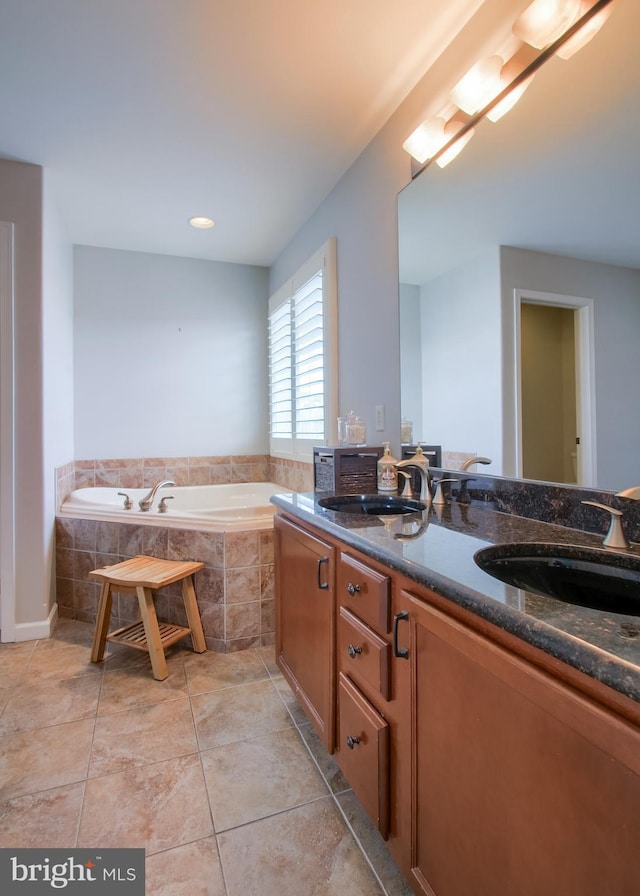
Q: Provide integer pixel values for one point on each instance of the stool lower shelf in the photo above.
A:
(134, 635)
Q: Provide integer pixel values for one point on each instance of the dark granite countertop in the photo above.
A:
(439, 555)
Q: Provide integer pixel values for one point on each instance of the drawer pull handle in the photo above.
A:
(354, 651)
(401, 653)
(352, 741)
(323, 586)
(353, 589)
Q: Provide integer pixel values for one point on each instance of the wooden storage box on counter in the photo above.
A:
(346, 471)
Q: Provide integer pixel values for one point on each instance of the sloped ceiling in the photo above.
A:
(146, 112)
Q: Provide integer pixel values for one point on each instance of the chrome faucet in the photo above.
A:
(425, 477)
(615, 537)
(470, 461)
(146, 502)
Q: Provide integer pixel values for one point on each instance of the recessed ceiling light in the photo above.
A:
(201, 222)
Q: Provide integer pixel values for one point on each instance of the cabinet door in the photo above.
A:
(521, 785)
(305, 622)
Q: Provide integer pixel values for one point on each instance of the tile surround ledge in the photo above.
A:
(142, 472)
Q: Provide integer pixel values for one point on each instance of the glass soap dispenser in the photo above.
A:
(387, 472)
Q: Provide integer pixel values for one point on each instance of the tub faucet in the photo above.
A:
(146, 502)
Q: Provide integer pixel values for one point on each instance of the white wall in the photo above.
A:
(616, 295)
(170, 356)
(57, 361)
(462, 360)
(21, 203)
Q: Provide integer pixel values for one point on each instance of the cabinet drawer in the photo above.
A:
(363, 752)
(362, 654)
(365, 592)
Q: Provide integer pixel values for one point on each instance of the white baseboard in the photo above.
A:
(31, 631)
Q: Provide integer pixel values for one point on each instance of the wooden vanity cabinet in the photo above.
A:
(490, 767)
(521, 784)
(305, 621)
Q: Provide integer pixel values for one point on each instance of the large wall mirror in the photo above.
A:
(520, 278)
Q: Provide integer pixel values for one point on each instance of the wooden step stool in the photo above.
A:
(143, 576)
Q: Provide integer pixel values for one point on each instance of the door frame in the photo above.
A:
(585, 376)
(7, 437)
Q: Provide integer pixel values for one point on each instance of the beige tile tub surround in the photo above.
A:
(253, 805)
(234, 590)
(143, 472)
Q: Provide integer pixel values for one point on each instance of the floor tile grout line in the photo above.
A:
(204, 777)
(80, 813)
(233, 687)
(51, 724)
(278, 812)
(211, 813)
(93, 735)
(142, 705)
(143, 765)
(360, 844)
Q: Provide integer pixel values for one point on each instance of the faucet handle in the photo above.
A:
(615, 537)
(439, 497)
(162, 506)
(128, 503)
(407, 491)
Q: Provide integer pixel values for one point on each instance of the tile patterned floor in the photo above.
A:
(215, 772)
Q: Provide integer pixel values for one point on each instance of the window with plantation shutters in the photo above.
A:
(302, 359)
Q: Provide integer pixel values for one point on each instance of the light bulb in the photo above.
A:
(479, 86)
(426, 140)
(544, 21)
(582, 37)
(201, 222)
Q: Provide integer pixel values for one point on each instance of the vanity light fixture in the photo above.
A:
(201, 222)
(490, 89)
(582, 37)
(479, 86)
(543, 21)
